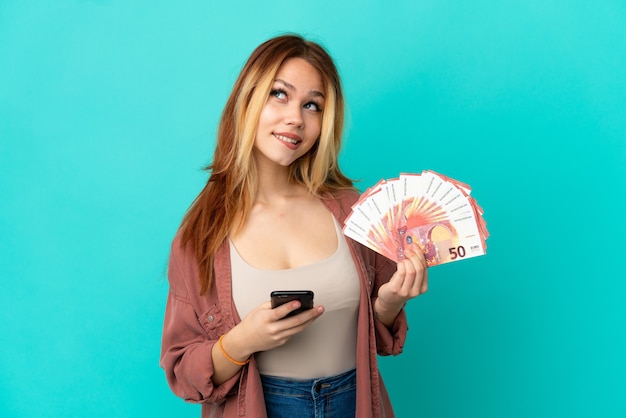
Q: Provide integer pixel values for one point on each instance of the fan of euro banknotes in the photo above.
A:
(426, 211)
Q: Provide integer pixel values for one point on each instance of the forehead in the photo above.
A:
(302, 75)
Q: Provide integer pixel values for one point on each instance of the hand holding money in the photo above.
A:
(425, 212)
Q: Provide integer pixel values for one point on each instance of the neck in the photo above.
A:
(274, 183)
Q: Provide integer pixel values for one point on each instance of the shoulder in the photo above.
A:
(183, 269)
(340, 202)
(178, 251)
(184, 272)
(349, 196)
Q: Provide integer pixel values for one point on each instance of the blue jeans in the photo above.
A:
(327, 397)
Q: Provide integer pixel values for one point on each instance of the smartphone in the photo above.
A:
(278, 297)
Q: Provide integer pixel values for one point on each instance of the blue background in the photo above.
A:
(108, 111)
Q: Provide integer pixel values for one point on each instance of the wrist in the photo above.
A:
(383, 307)
(386, 313)
(234, 352)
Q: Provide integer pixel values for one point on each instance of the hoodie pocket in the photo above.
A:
(213, 322)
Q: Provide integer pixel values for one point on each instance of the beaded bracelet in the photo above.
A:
(229, 358)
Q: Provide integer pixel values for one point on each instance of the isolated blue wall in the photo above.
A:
(108, 111)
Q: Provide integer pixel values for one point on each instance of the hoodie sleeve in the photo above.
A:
(389, 341)
(188, 336)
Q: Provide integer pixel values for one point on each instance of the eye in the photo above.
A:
(279, 94)
(316, 107)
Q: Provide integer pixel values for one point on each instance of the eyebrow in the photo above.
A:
(315, 93)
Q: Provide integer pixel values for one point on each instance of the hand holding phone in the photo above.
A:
(279, 297)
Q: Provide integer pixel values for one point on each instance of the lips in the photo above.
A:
(290, 140)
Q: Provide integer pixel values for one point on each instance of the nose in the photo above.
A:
(293, 116)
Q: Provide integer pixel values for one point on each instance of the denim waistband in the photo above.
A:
(309, 387)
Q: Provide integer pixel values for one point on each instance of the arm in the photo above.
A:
(394, 286)
(197, 368)
(186, 356)
(189, 337)
(262, 329)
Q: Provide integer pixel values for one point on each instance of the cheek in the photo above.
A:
(265, 116)
(270, 114)
(314, 127)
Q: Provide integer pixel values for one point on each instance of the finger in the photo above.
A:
(424, 286)
(303, 317)
(421, 282)
(396, 281)
(406, 281)
(309, 316)
(420, 270)
(418, 259)
(283, 310)
(411, 274)
(265, 305)
(297, 323)
(409, 277)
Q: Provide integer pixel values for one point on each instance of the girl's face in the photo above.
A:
(291, 120)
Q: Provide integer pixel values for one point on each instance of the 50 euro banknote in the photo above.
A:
(428, 212)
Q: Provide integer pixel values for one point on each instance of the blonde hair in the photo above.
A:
(226, 199)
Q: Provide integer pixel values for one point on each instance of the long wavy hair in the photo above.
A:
(224, 203)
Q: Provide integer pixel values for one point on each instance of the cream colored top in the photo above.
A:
(328, 346)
